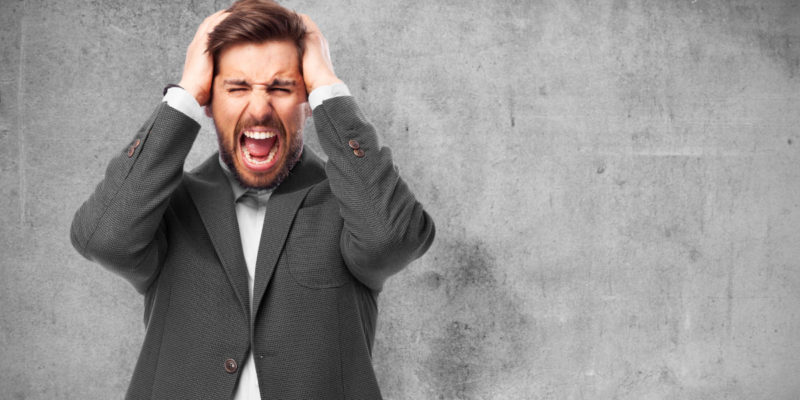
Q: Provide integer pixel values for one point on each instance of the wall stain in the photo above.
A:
(695, 254)
(543, 91)
(432, 280)
(481, 332)
(783, 48)
(511, 95)
(601, 168)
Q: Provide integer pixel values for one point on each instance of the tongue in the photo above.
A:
(259, 147)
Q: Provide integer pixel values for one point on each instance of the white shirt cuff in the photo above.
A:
(323, 93)
(181, 100)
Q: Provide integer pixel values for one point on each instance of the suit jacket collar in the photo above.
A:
(212, 194)
(281, 209)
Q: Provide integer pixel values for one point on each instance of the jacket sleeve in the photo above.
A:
(120, 226)
(385, 227)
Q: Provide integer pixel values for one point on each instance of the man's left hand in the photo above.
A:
(317, 65)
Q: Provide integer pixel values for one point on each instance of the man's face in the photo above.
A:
(259, 106)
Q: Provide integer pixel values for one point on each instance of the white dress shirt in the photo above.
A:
(249, 214)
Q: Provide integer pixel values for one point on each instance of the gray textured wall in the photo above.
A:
(615, 184)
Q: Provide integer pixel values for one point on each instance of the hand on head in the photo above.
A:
(198, 70)
(317, 65)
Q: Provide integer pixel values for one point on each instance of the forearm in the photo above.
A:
(385, 227)
(120, 225)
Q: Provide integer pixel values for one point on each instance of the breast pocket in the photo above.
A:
(312, 250)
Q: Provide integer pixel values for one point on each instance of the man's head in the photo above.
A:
(258, 97)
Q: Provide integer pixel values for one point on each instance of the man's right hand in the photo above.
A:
(198, 70)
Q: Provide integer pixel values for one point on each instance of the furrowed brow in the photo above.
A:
(235, 82)
(275, 82)
(282, 82)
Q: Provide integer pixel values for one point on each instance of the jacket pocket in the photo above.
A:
(313, 255)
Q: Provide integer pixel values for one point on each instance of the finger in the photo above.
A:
(211, 21)
(310, 25)
(216, 15)
(215, 19)
(207, 20)
(207, 26)
(220, 15)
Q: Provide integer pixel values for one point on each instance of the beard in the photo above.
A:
(289, 151)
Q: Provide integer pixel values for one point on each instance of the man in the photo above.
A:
(261, 268)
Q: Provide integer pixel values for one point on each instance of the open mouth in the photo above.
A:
(258, 148)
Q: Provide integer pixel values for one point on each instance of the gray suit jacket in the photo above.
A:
(332, 234)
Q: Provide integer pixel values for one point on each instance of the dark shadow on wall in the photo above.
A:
(481, 333)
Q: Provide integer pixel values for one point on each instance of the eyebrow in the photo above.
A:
(275, 82)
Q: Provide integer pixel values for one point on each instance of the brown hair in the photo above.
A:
(256, 21)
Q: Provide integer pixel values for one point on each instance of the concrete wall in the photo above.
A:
(615, 184)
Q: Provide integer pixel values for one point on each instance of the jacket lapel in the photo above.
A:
(281, 209)
(212, 195)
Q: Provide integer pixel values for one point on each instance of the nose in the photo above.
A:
(260, 107)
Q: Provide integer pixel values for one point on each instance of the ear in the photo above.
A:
(208, 111)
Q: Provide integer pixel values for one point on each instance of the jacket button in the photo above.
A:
(133, 147)
(230, 366)
(359, 153)
(353, 144)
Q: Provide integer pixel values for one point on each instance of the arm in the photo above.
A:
(121, 224)
(385, 227)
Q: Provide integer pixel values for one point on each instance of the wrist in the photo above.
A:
(199, 95)
(328, 81)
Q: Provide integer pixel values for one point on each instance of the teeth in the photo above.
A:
(270, 156)
(259, 135)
